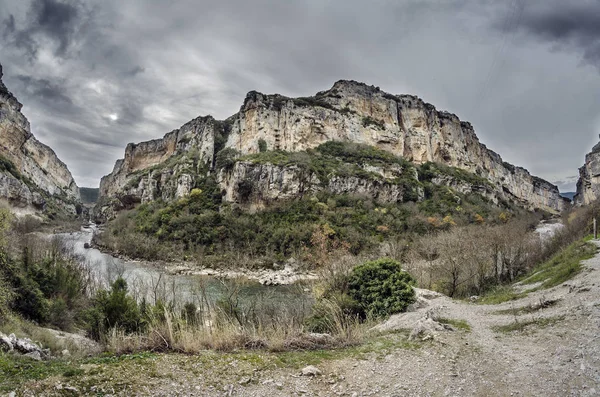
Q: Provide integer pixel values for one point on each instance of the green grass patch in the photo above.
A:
(16, 370)
(121, 372)
(456, 323)
(563, 266)
(522, 326)
(501, 294)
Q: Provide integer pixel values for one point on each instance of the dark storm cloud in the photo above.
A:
(45, 90)
(570, 25)
(58, 21)
(97, 75)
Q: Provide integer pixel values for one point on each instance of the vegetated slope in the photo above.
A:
(32, 177)
(270, 206)
(403, 125)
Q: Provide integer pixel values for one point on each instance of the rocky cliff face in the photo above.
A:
(588, 185)
(196, 139)
(403, 125)
(32, 176)
(270, 183)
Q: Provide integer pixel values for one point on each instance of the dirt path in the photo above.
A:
(557, 354)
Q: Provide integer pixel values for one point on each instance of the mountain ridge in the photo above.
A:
(403, 125)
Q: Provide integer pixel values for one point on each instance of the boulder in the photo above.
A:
(311, 370)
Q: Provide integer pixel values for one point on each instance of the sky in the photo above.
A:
(94, 75)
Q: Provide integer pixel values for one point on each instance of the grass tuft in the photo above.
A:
(501, 294)
(522, 326)
(456, 323)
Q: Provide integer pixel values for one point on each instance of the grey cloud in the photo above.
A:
(157, 65)
(57, 20)
(9, 25)
(570, 25)
(136, 70)
(45, 89)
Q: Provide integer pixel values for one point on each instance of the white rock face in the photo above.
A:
(588, 185)
(32, 159)
(198, 135)
(270, 183)
(401, 124)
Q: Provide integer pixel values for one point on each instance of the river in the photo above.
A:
(152, 283)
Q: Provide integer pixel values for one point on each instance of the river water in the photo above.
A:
(152, 283)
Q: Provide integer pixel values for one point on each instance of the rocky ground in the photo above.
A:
(546, 344)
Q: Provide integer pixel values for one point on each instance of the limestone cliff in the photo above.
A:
(32, 177)
(588, 185)
(403, 125)
(267, 183)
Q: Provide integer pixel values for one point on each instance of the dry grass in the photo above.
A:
(193, 339)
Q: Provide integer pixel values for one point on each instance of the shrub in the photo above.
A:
(334, 314)
(381, 287)
(6, 296)
(226, 158)
(370, 121)
(118, 309)
(262, 145)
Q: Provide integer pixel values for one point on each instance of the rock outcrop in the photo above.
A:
(271, 183)
(588, 185)
(403, 125)
(32, 177)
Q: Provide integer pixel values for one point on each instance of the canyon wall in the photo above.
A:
(32, 176)
(588, 185)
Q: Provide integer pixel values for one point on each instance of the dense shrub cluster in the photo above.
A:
(371, 290)
(196, 225)
(47, 289)
(475, 259)
(381, 287)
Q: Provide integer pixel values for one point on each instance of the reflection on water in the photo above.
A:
(153, 284)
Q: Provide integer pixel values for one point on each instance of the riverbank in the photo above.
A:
(287, 273)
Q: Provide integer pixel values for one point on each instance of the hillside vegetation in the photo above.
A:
(203, 228)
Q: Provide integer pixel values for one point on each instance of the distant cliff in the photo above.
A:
(32, 177)
(402, 125)
(588, 185)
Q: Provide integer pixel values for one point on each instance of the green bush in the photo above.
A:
(6, 297)
(381, 287)
(368, 121)
(226, 159)
(118, 309)
(262, 145)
